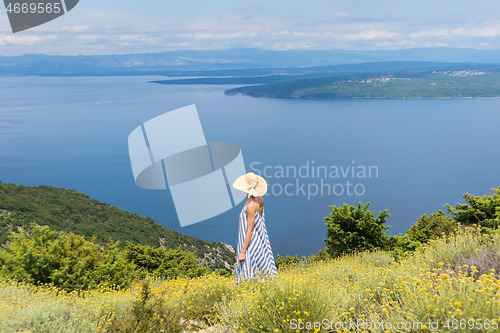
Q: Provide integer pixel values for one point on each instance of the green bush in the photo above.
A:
(398, 246)
(483, 210)
(66, 260)
(289, 261)
(222, 272)
(286, 261)
(44, 256)
(421, 232)
(162, 263)
(432, 227)
(321, 255)
(351, 229)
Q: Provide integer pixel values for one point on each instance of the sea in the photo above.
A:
(410, 157)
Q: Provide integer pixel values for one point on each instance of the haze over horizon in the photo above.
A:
(357, 51)
(126, 27)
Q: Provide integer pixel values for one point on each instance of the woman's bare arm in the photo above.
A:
(251, 209)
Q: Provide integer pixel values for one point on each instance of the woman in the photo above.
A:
(255, 256)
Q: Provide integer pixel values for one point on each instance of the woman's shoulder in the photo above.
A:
(258, 202)
(254, 206)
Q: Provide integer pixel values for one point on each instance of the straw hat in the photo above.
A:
(251, 184)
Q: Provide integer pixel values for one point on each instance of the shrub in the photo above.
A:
(399, 246)
(222, 272)
(353, 229)
(320, 256)
(162, 263)
(65, 260)
(286, 261)
(431, 227)
(483, 210)
(289, 261)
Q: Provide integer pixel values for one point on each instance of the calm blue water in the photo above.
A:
(72, 133)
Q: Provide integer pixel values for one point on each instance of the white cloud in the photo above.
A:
(371, 35)
(106, 15)
(343, 14)
(91, 38)
(205, 34)
(7, 38)
(488, 31)
(307, 24)
(75, 28)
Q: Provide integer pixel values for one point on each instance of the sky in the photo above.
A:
(124, 26)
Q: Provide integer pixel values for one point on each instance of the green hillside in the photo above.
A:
(457, 83)
(72, 211)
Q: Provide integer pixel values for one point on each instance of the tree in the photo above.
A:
(351, 229)
(482, 210)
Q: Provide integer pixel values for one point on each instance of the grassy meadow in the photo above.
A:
(449, 285)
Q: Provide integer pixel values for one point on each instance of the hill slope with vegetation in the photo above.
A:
(72, 211)
(456, 83)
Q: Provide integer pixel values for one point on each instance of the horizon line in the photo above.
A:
(254, 48)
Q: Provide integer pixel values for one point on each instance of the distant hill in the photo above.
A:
(272, 75)
(457, 82)
(72, 211)
(176, 63)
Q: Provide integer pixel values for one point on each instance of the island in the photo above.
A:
(456, 83)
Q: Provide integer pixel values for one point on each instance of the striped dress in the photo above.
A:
(259, 259)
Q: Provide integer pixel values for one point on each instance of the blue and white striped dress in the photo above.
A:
(259, 259)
